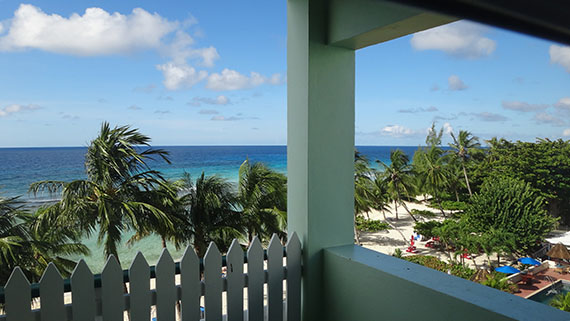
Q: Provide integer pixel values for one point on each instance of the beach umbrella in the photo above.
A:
(528, 260)
(507, 269)
(559, 251)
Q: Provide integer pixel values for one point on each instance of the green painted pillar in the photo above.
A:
(320, 143)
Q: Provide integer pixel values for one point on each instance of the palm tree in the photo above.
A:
(262, 197)
(432, 168)
(210, 210)
(30, 246)
(399, 180)
(363, 189)
(561, 301)
(464, 145)
(168, 197)
(111, 199)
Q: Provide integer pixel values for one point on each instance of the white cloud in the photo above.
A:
(455, 83)
(177, 76)
(429, 109)
(233, 80)
(489, 117)
(220, 100)
(447, 128)
(222, 118)
(397, 131)
(523, 106)
(208, 112)
(15, 108)
(560, 55)
(566, 132)
(563, 104)
(96, 32)
(180, 50)
(546, 118)
(460, 39)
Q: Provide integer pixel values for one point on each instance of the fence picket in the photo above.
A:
(165, 288)
(112, 290)
(191, 288)
(275, 280)
(213, 281)
(139, 289)
(293, 248)
(51, 295)
(255, 280)
(18, 297)
(82, 293)
(234, 275)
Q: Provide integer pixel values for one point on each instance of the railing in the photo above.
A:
(170, 291)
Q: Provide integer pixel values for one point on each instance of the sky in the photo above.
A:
(188, 73)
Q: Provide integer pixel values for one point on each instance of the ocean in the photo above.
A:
(19, 167)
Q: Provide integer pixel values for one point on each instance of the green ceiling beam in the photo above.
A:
(360, 23)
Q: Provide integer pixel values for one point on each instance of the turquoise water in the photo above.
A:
(546, 295)
(19, 167)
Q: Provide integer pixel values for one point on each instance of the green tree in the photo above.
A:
(544, 164)
(262, 197)
(399, 179)
(432, 168)
(511, 206)
(30, 245)
(464, 146)
(561, 301)
(110, 201)
(210, 213)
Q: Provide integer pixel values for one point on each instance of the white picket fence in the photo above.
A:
(198, 282)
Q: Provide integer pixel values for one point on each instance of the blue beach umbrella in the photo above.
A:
(507, 269)
(528, 260)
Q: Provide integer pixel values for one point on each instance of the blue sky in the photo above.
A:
(188, 73)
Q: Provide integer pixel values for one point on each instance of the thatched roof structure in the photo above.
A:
(559, 251)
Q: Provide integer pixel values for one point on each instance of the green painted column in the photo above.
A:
(320, 143)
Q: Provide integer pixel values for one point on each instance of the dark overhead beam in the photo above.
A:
(548, 19)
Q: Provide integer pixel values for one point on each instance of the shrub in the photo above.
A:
(366, 225)
(423, 213)
(498, 281)
(454, 205)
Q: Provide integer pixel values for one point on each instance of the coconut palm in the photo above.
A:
(363, 189)
(262, 197)
(433, 170)
(464, 145)
(561, 301)
(210, 213)
(168, 197)
(30, 246)
(399, 179)
(111, 200)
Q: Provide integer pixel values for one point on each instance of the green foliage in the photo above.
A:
(427, 229)
(112, 199)
(545, 165)
(397, 253)
(424, 213)
(561, 301)
(498, 281)
(398, 178)
(434, 263)
(431, 262)
(26, 243)
(510, 206)
(363, 224)
(262, 199)
(454, 205)
(464, 146)
(461, 271)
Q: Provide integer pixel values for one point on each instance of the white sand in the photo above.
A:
(388, 241)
